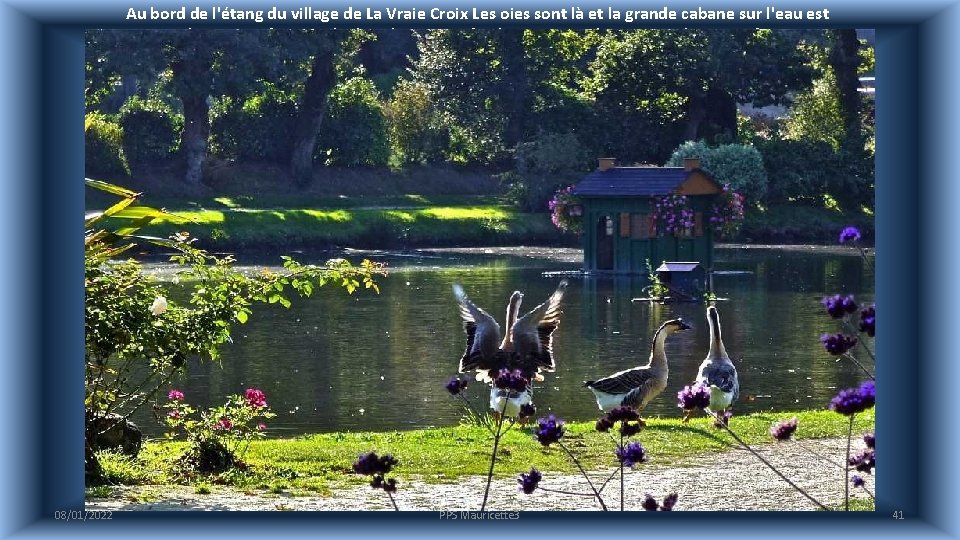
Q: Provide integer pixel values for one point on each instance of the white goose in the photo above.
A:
(637, 386)
(527, 345)
(717, 371)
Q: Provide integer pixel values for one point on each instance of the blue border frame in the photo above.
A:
(41, 51)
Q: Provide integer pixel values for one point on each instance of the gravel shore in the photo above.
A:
(729, 480)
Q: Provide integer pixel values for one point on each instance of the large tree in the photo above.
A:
(201, 63)
(686, 84)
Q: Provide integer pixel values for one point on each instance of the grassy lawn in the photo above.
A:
(318, 463)
(376, 222)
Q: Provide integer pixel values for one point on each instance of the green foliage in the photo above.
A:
(136, 340)
(151, 130)
(656, 289)
(739, 165)
(798, 170)
(415, 131)
(258, 129)
(103, 146)
(355, 131)
(816, 114)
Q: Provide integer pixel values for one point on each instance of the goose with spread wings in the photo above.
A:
(637, 386)
(526, 345)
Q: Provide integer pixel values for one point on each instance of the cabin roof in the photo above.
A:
(634, 181)
(678, 266)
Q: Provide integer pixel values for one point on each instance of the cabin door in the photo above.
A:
(605, 243)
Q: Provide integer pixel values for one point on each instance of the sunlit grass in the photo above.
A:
(321, 462)
(360, 226)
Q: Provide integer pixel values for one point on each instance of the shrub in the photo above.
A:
(413, 126)
(151, 130)
(257, 129)
(739, 165)
(355, 131)
(103, 146)
(798, 170)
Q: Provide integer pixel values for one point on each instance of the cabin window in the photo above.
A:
(609, 225)
(698, 224)
(651, 226)
(624, 225)
(638, 227)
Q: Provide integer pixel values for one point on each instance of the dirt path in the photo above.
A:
(731, 480)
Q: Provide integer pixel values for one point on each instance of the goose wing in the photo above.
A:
(533, 334)
(483, 335)
(623, 382)
(722, 375)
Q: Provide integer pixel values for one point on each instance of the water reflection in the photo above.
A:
(379, 362)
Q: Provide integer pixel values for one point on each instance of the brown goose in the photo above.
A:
(527, 345)
(637, 386)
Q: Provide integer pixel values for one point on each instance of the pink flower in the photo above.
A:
(224, 424)
(255, 398)
(261, 426)
(173, 414)
(174, 395)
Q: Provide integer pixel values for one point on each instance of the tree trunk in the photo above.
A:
(322, 79)
(696, 112)
(517, 93)
(196, 129)
(191, 73)
(845, 60)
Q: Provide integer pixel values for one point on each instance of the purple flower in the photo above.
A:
(174, 395)
(549, 430)
(782, 431)
(837, 306)
(604, 424)
(669, 502)
(527, 410)
(849, 234)
(868, 320)
(865, 461)
(851, 401)
(694, 397)
(649, 503)
(870, 439)
(371, 463)
(530, 482)
(856, 481)
(455, 386)
(622, 413)
(255, 398)
(390, 485)
(838, 344)
(511, 380)
(629, 429)
(631, 454)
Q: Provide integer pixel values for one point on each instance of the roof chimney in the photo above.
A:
(606, 163)
(691, 163)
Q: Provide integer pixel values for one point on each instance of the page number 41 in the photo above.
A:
(898, 514)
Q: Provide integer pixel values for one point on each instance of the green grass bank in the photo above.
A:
(316, 464)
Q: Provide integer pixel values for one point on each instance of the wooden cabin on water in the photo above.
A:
(619, 230)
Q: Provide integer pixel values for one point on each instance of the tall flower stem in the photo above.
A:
(621, 472)
(493, 456)
(585, 476)
(765, 462)
(850, 357)
(393, 501)
(846, 468)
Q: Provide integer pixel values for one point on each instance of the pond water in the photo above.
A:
(335, 362)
